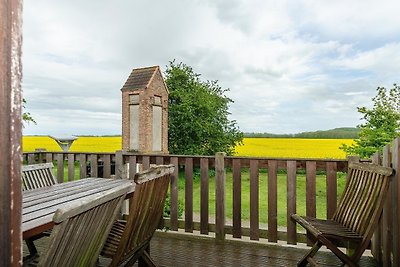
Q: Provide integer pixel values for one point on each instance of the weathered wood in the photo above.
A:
(174, 195)
(82, 166)
(387, 216)
(10, 132)
(396, 203)
(132, 166)
(106, 166)
(204, 200)
(49, 157)
(189, 195)
(291, 202)
(237, 199)
(254, 203)
(60, 168)
(71, 167)
(146, 162)
(129, 240)
(376, 240)
(93, 165)
(220, 178)
(119, 164)
(272, 201)
(310, 192)
(81, 229)
(37, 176)
(40, 204)
(31, 158)
(356, 216)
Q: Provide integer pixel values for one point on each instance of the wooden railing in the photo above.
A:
(243, 171)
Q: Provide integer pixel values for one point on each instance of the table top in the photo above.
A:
(39, 205)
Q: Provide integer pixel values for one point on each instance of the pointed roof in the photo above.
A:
(140, 78)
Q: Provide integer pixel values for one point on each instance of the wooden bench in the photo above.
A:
(356, 215)
(37, 176)
(129, 240)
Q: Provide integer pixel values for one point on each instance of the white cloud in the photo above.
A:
(291, 65)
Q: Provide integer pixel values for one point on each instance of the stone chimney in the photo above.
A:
(145, 112)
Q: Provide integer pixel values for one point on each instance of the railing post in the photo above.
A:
(220, 196)
(396, 202)
(353, 159)
(119, 164)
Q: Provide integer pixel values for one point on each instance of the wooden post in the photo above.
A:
(220, 196)
(396, 202)
(119, 164)
(387, 216)
(10, 133)
(291, 201)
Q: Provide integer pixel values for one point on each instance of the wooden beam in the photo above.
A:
(10, 132)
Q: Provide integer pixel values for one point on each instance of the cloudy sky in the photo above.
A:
(290, 65)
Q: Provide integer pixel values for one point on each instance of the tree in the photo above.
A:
(382, 123)
(26, 116)
(198, 114)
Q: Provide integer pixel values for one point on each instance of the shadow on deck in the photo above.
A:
(175, 249)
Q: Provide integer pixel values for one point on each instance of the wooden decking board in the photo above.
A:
(174, 249)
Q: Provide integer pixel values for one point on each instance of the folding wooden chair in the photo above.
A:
(356, 216)
(37, 176)
(129, 240)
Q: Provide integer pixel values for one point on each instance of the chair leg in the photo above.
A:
(347, 261)
(145, 259)
(303, 262)
(31, 247)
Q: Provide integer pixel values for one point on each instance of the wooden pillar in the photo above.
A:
(10, 133)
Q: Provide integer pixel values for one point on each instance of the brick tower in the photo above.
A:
(145, 111)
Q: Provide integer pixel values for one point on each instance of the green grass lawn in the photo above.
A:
(263, 195)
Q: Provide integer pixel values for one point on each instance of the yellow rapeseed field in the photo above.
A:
(256, 147)
(293, 148)
(82, 144)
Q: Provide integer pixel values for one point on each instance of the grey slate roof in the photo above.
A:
(140, 78)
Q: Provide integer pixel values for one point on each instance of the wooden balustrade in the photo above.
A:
(261, 194)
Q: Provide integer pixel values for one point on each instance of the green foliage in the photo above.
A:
(382, 123)
(26, 116)
(198, 114)
(337, 133)
(167, 208)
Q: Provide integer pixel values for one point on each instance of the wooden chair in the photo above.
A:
(129, 240)
(81, 229)
(356, 215)
(37, 176)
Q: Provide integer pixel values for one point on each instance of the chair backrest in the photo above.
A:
(145, 211)
(81, 229)
(37, 176)
(362, 200)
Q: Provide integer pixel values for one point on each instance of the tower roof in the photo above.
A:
(140, 78)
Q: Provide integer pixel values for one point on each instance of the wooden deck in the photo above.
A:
(174, 249)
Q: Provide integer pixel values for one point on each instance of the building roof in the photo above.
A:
(140, 78)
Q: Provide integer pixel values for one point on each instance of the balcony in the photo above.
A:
(216, 229)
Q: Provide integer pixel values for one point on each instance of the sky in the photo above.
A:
(290, 65)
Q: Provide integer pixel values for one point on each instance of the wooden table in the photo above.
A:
(39, 205)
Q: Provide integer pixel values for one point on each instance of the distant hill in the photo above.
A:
(337, 133)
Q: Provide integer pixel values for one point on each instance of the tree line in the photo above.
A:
(337, 133)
